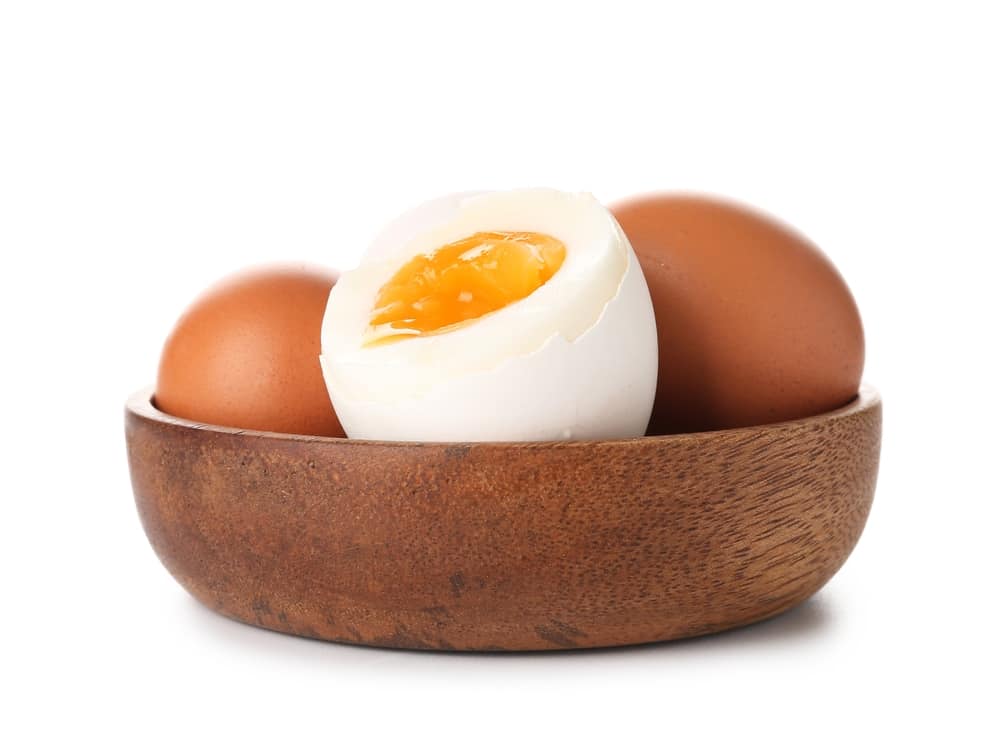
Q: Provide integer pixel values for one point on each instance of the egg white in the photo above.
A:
(574, 359)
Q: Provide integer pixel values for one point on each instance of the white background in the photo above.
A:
(148, 148)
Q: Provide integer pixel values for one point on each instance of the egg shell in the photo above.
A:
(755, 323)
(246, 354)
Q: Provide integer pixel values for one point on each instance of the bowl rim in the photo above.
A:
(141, 404)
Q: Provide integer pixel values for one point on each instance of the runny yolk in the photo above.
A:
(461, 281)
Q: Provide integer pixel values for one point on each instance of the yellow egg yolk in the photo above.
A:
(462, 281)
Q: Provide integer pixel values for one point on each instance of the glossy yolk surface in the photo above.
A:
(462, 281)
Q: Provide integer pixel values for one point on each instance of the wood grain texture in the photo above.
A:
(504, 546)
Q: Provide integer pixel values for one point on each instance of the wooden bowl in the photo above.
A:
(504, 546)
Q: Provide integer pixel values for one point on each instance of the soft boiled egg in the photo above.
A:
(517, 315)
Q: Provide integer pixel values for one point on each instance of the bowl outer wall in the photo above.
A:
(504, 546)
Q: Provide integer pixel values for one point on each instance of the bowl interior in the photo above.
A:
(142, 403)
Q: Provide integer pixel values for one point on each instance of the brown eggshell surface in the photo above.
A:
(245, 354)
(755, 325)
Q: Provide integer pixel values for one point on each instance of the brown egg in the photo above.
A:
(246, 354)
(755, 324)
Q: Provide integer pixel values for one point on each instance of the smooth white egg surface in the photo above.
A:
(398, 232)
(518, 315)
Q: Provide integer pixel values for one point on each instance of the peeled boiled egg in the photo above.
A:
(518, 315)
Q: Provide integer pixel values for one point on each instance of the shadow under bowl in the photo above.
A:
(504, 546)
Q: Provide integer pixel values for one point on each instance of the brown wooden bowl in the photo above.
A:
(504, 546)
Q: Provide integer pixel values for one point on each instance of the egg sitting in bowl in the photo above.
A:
(518, 315)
